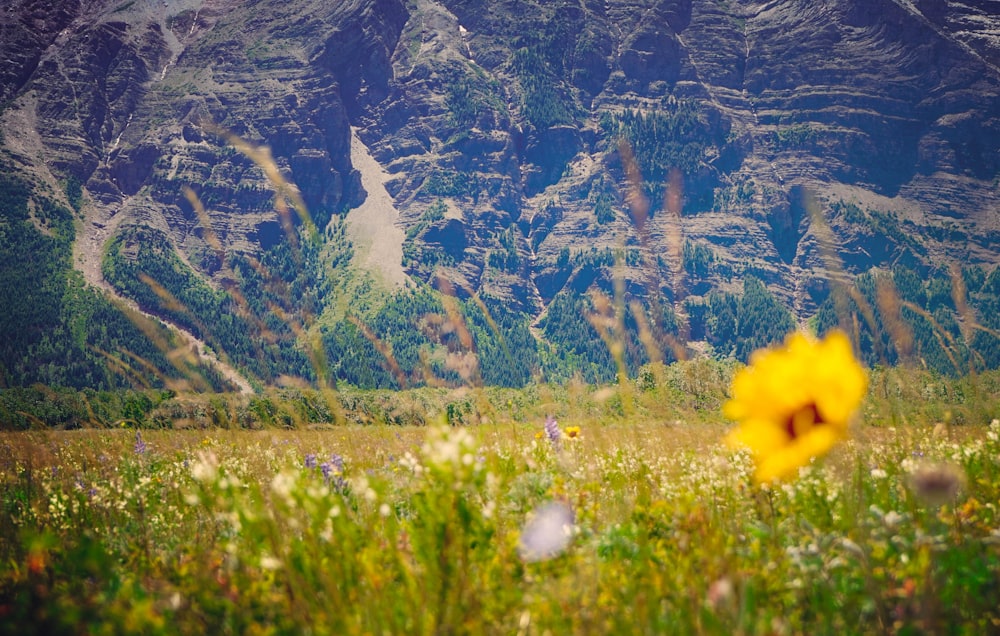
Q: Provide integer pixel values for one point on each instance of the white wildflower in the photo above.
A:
(489, 508)
(548, 533)
(282, 486)
(206, 467)
(450, 448)
(852, 547)
(268, 562)
(892, 519)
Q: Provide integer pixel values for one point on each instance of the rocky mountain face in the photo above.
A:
(523, 139)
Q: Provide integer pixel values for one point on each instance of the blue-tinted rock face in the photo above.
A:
(513, 114)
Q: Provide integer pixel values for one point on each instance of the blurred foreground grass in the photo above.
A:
(640, 524)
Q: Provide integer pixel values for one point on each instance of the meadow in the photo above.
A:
(625, 512)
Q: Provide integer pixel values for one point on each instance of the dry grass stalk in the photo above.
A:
(888, 300)
(842, 287)
(384, 349)
(939, 333)
(285, 191)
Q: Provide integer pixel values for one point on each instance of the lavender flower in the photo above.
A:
(338, 462)
(333, 472)
(310, 460)
(140, 445)
(83, 487)
(552, 430)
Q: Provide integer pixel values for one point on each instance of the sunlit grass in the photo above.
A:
(421, 531)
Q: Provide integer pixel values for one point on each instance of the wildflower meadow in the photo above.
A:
(820, 504)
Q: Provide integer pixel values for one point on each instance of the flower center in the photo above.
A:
(802, 421)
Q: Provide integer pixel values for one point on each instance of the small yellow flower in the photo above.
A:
(539, 434)
(795, 402)
(572, 432)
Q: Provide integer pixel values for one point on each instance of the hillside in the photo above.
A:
(288, 183)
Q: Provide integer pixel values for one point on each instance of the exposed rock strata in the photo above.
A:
(498, 112)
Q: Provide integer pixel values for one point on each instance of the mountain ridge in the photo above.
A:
(501, 127)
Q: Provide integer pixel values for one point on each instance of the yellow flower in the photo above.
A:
(572, 432)
(795, 402)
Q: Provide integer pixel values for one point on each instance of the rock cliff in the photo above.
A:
(515, 133)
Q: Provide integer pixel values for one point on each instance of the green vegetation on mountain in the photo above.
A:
(673, 137)
(141, 263)
(944, 322)
(449, 183)
(541, 101)
(661, 140)
(698, 260)
(587, 336)
(55, 329)
(506, 258)
(739, 325)
(473, 96)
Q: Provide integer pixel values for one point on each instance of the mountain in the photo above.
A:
(295, 189)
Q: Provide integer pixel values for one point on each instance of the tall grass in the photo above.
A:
(406, 530)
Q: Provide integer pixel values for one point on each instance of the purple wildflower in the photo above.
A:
(552, 430)
(310, 460)
(338, 462)
(140, 445)
(333, 472)
(83, 487)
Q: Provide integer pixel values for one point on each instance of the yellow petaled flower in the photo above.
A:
(572, 432)
(795, 402)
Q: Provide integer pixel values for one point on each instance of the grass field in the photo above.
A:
(600, 523)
